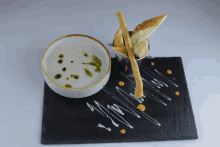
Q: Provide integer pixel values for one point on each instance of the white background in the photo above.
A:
(27, 27)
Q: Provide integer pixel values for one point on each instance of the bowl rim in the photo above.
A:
(84, 88)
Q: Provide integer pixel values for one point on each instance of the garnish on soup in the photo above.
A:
(60, 61)
(68, 86)
(96, 62)
(61, 56)
(57, 76)
(64, 69)
(88, 72)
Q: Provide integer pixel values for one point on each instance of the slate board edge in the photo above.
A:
(116, 141)
(193, 116)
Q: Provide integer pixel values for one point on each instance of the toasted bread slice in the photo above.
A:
(144, 30)
(118, 39)
(120, 51)
(140, 50)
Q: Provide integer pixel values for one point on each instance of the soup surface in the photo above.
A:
(76, 62)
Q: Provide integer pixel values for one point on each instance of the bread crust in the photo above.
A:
(120, 50)
(156, 21)
(118, 39)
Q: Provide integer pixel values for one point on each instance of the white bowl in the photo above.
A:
(74, 47)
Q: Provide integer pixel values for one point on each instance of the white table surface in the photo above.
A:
(192, 31)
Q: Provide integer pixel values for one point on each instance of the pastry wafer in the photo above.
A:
(145, 29)
(118, 39)
(140, 50)
(120, 51)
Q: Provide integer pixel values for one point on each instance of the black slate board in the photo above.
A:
(70, 121)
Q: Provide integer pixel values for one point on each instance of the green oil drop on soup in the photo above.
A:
(88, 72)
(60, 61)
(86, 55)
(96, 62)
(61, 56)
(57, 76)
(68, 86)
(76, 77)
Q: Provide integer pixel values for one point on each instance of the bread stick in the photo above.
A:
(128, 46)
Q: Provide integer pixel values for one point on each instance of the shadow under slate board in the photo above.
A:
(71, 121)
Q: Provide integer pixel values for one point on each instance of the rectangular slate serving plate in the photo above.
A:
(70, 121)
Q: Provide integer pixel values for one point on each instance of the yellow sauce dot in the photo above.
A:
(177, 93)
(152, 63)
(122, 131)
(121, 83)
(169, 71)
(141, 107)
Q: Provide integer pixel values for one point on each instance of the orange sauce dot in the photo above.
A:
(141, 107)
(177, 93)
(122, 131)
(152, 63)
(169, 71)
(121, 83)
